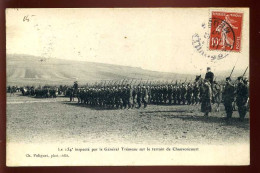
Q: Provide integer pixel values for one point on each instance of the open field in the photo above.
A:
(33, 120)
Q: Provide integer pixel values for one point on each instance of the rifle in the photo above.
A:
(122, 81)
(245, 72)
(140, 81)
(232, 71)
(134, 82)
(131, 81)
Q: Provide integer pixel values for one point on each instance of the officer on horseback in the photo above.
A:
(209, 76)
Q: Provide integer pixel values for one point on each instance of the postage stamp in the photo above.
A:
(225, 31)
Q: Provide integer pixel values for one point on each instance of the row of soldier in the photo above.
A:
(129, 96)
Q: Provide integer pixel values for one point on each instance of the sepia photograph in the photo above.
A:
(127, 86)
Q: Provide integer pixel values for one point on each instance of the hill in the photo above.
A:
(32, 70)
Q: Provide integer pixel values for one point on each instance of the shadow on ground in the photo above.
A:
(91, 107)
(184, 115)
(213, 119)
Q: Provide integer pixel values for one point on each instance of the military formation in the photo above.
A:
(126, 95)
(39, 92)
(129, 96)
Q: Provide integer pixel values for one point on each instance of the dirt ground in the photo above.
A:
(33, 120)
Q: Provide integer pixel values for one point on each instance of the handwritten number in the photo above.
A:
(26, 19)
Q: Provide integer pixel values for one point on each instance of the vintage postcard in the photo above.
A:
(127, 86)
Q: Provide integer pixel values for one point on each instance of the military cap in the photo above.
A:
(228, 79)
(245, 80)
(240, 77)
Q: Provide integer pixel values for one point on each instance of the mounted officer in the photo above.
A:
(209, 75)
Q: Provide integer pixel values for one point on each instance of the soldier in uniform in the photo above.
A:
(209, 75)
(170, 90)
(144, 96)
(139, 96)
(75, 86)
(228, 97)
(206, 98)
(217, 94)
(189, 94)
(164, 93)
(196, 91)
(183, 94)
(71, 94)
(149, 94)
(174, 94)
(134, 92)
(178, 95)
(247, 85)
(128, 96)
(242, 98)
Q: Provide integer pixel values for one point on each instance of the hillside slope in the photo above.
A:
(25, 69)
(32, 70)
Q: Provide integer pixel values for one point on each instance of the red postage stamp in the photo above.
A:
(225, 31)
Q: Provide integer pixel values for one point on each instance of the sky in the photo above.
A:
(153, 39)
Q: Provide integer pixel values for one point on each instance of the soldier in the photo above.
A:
(228, 97)
(73, 91)
(149, 94)
(242, 98)
(134, 92)
(209, 75)
(170, 90)
(174, 93)
(178, 95)
(160, 94)
(196, 91)
(152, 94)
(139, 96)
(124, 97)
(144, 96)
(128, 96)
(70, 91)
(111, 97)
(164, 93)
(75, 86)
(117, 98)
(12, 90)
(217, 94)
(189, 94)
(247, 85)
(206, 98)
(183, 94)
